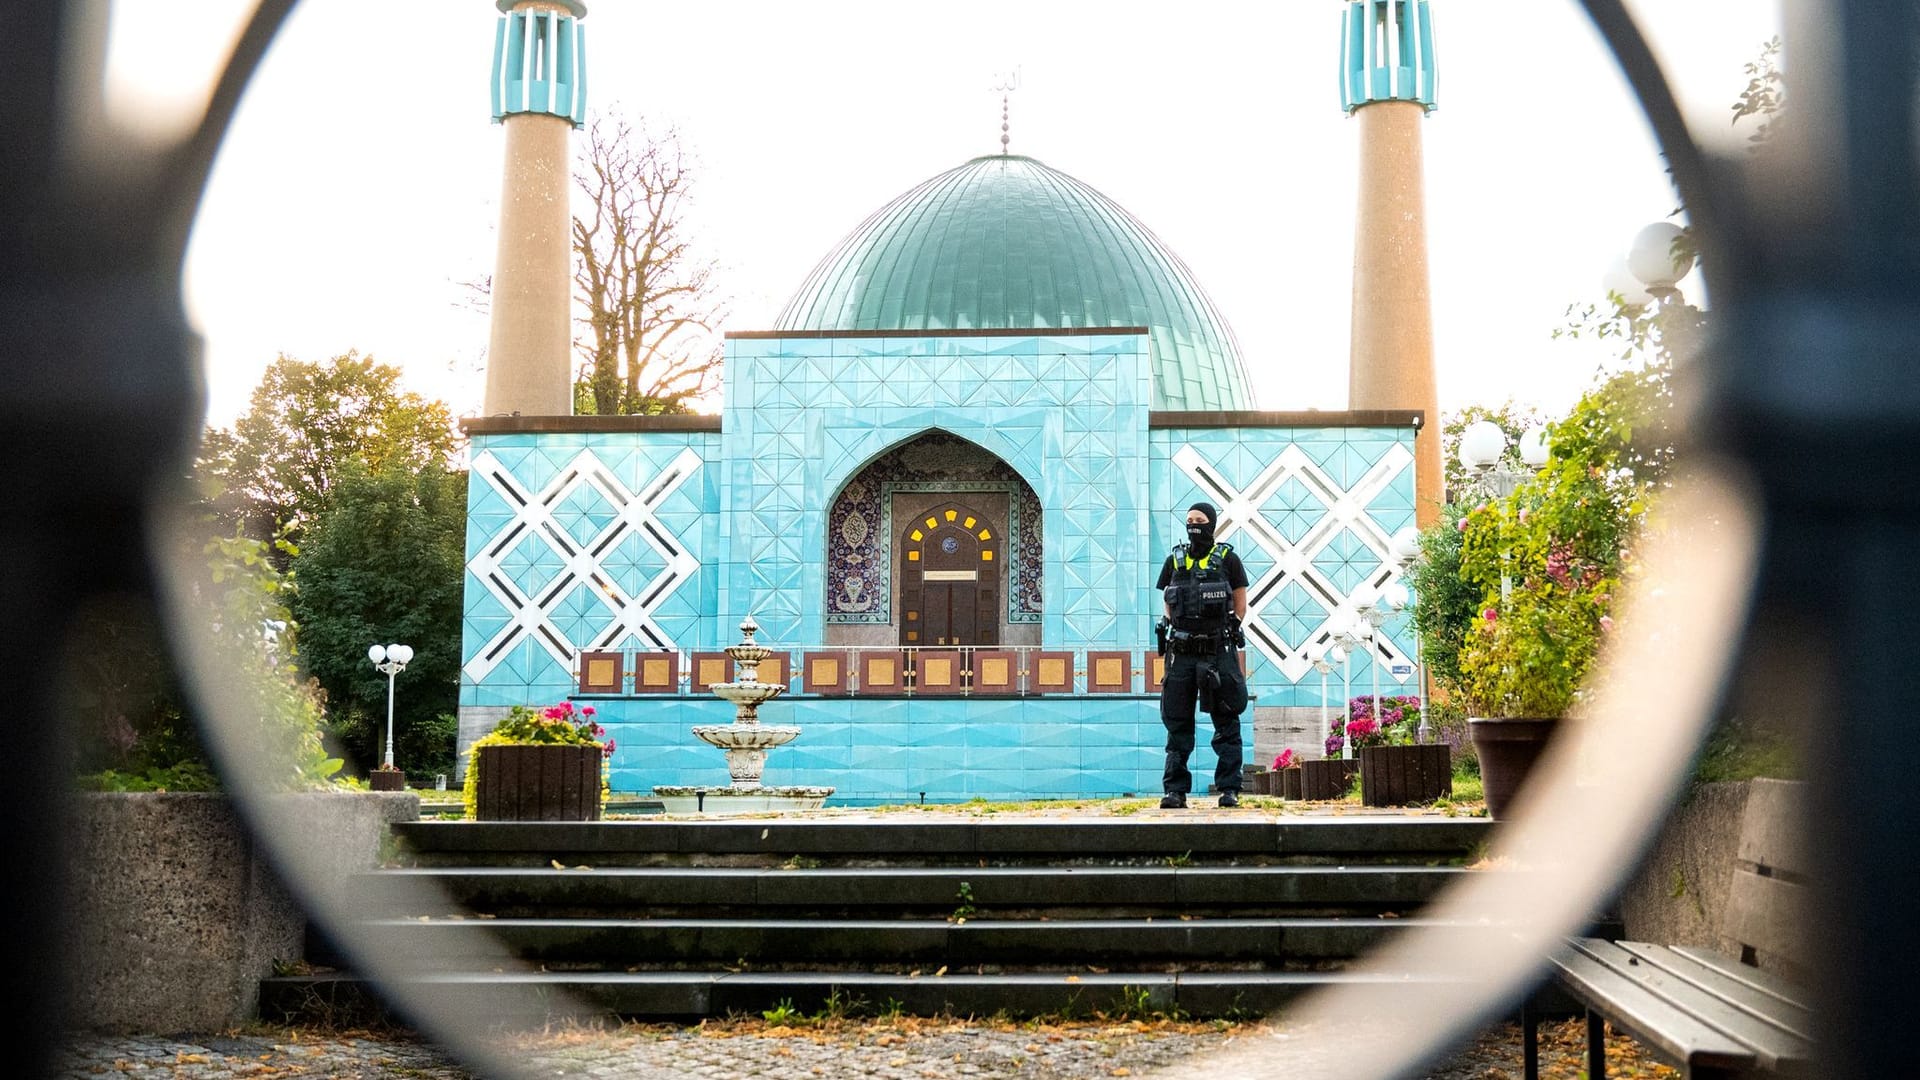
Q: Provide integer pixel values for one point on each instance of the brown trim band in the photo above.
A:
(1311, 418)
(587, 425)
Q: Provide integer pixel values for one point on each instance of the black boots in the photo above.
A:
(1173, 801)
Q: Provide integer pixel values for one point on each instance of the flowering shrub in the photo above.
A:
(1398, 722)
(1517, 593)
(1286, 760)
(555, 725)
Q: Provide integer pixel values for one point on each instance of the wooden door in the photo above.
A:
(950, 591)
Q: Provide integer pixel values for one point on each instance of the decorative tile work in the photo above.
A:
(1312, 512)
(581, 562)
(860, 525)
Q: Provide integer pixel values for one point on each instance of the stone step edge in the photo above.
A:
(539, 997)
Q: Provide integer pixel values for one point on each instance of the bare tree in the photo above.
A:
(650, 302)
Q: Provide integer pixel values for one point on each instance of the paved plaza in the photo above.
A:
(871, 1050)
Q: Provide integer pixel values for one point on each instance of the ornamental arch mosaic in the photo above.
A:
(932, 472)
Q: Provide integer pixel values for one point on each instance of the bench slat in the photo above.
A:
(1786, 1013)
(1647, 1016)
(1771, 832)
(1696, 989)
(1764, 981)
(1767, 913)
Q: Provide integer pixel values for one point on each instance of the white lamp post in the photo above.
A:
(1329, 656)
(1482, 449)
(1376, 613)
(390, 660)
(1344, 640)
(1396, 597)
(1406, 552)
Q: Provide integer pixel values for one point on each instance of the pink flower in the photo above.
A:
(1606, 623)
(607, 750)
(586, 710)
(1491, 615)
(1463, 524)
(1284, 760)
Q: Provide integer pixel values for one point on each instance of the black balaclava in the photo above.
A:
(1200, 537)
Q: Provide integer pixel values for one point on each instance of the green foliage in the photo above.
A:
(245, 598)
(1444, 602)
(280, 463)
(1740, 749)
(184, 776)
(383, 564)
(1546, 561)
(1765, 94)
(783, 1014)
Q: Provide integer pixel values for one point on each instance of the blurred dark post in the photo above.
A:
(99, 403)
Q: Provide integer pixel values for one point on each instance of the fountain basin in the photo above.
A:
(712, 801)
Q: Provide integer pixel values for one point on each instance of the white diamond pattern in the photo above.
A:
(628, 617)
(1240, 513)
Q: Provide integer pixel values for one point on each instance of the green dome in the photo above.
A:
(1004, 242)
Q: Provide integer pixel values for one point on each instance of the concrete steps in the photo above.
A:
(1202, 915)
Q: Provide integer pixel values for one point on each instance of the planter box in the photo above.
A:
(1403, 775)
(387, 780)
(1286, 783)
(1329, 779)
(538, 783)
(1508, 748)
(1260, 782)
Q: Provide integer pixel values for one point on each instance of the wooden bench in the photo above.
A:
(1712, 1015)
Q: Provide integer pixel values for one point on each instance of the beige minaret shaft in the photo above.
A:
(530, 345)
(1391, 364)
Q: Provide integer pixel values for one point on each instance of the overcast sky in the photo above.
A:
(360, 184)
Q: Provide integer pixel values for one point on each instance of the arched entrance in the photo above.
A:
(874, 578)
(950, 574)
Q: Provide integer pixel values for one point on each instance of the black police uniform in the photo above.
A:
(1199, 651)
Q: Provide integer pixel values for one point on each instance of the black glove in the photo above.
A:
(1236, 633)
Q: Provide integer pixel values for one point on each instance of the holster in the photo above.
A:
(1209, 679)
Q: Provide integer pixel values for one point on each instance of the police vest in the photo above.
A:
(1199, 596)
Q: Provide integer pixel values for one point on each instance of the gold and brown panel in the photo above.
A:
(1156, 669)
(940, 671)
(883, 674)
(996, 671)
(656, 672)
(709, 668)
(823, 672)
(776, 670)
(1109, 672)
(1051, 673)
(600, 672)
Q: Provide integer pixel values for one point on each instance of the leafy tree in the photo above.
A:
(280, 462)
(384, 564)
(650, 303)
(135, 727)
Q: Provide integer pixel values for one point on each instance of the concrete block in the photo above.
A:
(177, 913)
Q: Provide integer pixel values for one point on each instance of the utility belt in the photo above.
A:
(1189, 643)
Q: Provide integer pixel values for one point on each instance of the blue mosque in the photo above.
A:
(943, 481)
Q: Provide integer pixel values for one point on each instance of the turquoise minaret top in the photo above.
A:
(1386, 53)
(540, 62)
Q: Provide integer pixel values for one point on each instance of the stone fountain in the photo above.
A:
(746, 742)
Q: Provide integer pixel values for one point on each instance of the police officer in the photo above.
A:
(1204, 588)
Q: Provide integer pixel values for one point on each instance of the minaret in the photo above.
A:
(1387, 82)
(539, 95)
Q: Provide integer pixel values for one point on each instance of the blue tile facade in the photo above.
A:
(655, 539)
